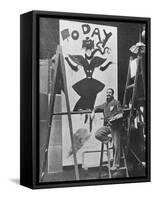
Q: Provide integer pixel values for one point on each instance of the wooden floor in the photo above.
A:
(92, 173)
(67, 174)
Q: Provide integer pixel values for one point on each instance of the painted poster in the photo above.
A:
(90, 54)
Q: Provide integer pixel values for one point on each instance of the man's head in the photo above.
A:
(109, 94)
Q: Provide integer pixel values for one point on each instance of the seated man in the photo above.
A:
(111, 109)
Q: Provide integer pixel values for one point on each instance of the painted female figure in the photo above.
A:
(88, 88)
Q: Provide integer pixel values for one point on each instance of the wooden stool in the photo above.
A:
(108, 157)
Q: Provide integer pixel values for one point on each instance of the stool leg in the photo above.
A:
(101, 161)
(108, 157)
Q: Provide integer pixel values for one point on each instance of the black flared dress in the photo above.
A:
(89, 87)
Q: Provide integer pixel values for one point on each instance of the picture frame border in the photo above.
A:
(29, 96)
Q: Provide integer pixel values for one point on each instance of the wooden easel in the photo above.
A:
(133, 99)
(59, 72)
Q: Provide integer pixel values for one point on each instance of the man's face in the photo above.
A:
(109, 95)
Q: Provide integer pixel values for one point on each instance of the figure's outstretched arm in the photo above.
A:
(73, 67)
(102, 68)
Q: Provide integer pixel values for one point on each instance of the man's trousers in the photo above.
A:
(102, 135)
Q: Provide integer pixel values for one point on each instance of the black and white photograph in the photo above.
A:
(92, 100)
(76, 100)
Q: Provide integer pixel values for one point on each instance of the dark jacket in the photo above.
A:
(109, 109)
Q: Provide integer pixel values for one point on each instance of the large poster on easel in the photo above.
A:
(90, 56)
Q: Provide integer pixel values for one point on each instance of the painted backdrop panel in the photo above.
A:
(90, 53)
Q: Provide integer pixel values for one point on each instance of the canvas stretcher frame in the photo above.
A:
(29, 82)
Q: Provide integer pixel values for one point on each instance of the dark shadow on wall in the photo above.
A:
(49, 37)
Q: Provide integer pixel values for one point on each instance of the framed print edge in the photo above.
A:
(26, 100)
(30, 99)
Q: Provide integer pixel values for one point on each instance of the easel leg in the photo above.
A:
(69, 113)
